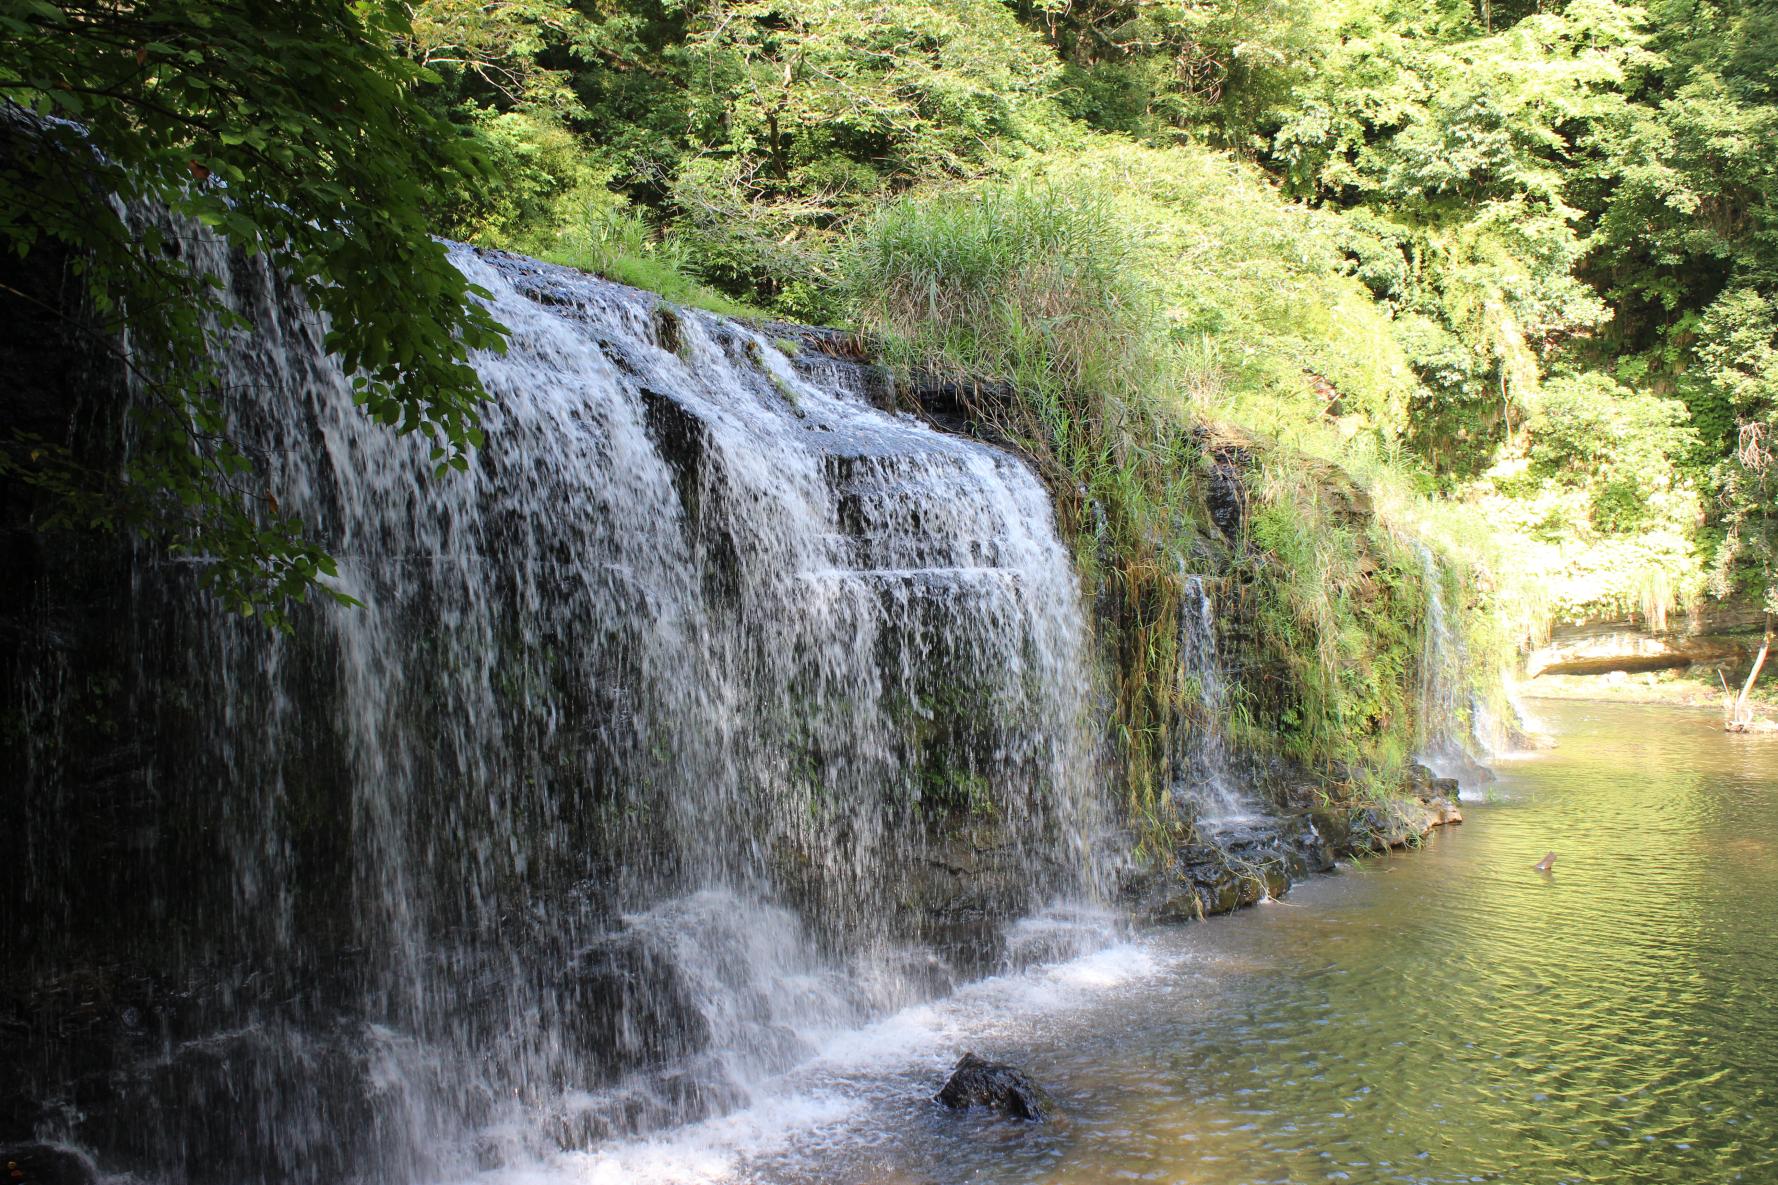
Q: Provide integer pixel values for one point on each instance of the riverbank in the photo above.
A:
(1309, 826)
(1675, 689)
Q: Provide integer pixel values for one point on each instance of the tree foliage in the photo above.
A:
(291, 131)
(1469, 238)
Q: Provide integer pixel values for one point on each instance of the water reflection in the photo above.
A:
(1448, 1015)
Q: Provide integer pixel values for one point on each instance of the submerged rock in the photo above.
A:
(977, 1082)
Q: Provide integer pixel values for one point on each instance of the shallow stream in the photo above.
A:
(1441, 1015)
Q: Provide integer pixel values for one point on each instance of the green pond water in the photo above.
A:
(1441, 1015)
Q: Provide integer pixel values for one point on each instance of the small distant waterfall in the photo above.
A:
(643, 763)
(1487, 735)
(1448, 722)
(1203, 758)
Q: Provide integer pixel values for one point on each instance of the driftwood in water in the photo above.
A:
(1741, 718)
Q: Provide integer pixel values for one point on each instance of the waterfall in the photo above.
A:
(1448, 723)
(713, 708)
(1202, 756)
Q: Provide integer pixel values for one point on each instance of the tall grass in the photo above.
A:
(1017, 283)
(615, 243)
(1024, 297)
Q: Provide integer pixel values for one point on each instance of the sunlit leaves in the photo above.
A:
(292, 131)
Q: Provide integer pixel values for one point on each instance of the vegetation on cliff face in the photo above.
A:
(1047, 302)
(1514, 267)
(1027, 297)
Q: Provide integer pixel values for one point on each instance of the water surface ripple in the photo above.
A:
(1446, 1015)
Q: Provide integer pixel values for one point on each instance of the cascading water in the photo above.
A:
(1439, 664)
(1206, 776)
(1454, 725)
(712, 712)
(711, 709)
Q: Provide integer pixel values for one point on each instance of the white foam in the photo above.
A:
(700, 1153)
(850, 1069)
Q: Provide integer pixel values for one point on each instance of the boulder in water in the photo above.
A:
(46, 1164)
(977, 1082)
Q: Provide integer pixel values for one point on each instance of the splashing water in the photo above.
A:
(1455, 723)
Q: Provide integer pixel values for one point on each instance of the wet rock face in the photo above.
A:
(954, 893)
(1226, 867)
(1225, 493)
(977, 1082)
(1426, 801)
(631, 1004)
(1233, 866)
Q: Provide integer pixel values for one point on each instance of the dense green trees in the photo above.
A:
(1584, 198)
(1475, 240)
